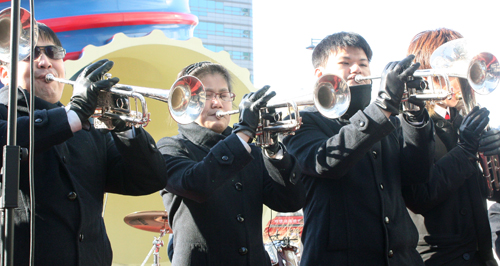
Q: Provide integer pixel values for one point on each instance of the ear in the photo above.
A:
(4, 74)
(318, 72)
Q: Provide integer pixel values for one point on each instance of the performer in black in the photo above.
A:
(73, 167)
(217, 182)
(354, 166)
(453, 225)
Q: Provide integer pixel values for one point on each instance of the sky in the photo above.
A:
(283, 30)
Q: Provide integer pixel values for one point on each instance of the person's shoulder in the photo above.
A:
(172, 142)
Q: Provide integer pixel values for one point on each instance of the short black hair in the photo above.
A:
(336, 41)
(47, 34)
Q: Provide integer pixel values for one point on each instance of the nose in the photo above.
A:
(43, 61)
(216, 101)
(355, 69)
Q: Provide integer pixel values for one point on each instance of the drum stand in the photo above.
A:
(155, 250)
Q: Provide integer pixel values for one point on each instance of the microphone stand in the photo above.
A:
(11, 152)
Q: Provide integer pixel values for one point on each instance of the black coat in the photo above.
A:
(454, 229)
(215, 194)
(353, 172)
(72, 173)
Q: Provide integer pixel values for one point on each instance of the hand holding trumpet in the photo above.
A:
(392, 85)
(87, 87)
(249, 110)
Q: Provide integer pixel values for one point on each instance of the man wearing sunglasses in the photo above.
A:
(73, 167)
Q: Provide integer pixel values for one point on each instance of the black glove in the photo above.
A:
(272, 116)
(87, 87)
(489, 144)
(249, 108)
(471, 129)
(415, 115)
(120, 125)
(394, 77)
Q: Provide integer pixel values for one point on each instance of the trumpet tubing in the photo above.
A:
(186, 100)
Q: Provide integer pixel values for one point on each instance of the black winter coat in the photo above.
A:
(215, 194)
(454, 229)
(353, 171)
(72, 173)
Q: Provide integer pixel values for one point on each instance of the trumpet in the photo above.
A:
(454, 59)
(186, 100)
(482, 71)
(24, 44)
(331, 96)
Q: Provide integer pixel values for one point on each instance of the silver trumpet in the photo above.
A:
(482, 71)
(331, 96)
(186, 100)
(24, 34)
(454, 59)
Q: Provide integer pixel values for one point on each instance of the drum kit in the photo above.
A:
(151, 221)
(283, 252)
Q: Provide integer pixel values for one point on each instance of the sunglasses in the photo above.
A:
(51, 51)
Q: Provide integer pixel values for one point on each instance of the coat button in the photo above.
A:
(243, 250)
(386, 220)
(463, 211)
(80, 237)
(362, 123)
(38, 120)
(381, 186)
(225, 158)
(238, 186)
(466, 256)
(240, 218)
(72, 195)
(64, 159)
(374, 153)
(391, 253)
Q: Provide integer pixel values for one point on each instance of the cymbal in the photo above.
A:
(153, 221)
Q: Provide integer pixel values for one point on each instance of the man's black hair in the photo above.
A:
(337, 41)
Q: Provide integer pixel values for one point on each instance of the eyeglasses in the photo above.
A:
(51, 51)
(225, 96)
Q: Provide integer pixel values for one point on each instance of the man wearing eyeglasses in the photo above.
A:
(73, 167)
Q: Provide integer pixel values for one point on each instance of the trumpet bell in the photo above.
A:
(187, 99)
(458, 59)
(24, 34)
(331, 96)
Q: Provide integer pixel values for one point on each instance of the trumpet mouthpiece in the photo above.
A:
(49, 78)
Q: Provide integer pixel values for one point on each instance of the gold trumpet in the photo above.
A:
(331, 96)
(186, 100)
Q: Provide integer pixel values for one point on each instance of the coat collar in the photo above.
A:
(23, 98)
(202, 136)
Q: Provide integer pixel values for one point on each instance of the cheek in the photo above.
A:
(227, 106)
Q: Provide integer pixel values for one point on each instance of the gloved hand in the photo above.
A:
(120, 125)
(415, 115)
(489, 143)
(471, 129)
(87, 87)
(249, 108)
(394, 77)
(272, 116)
